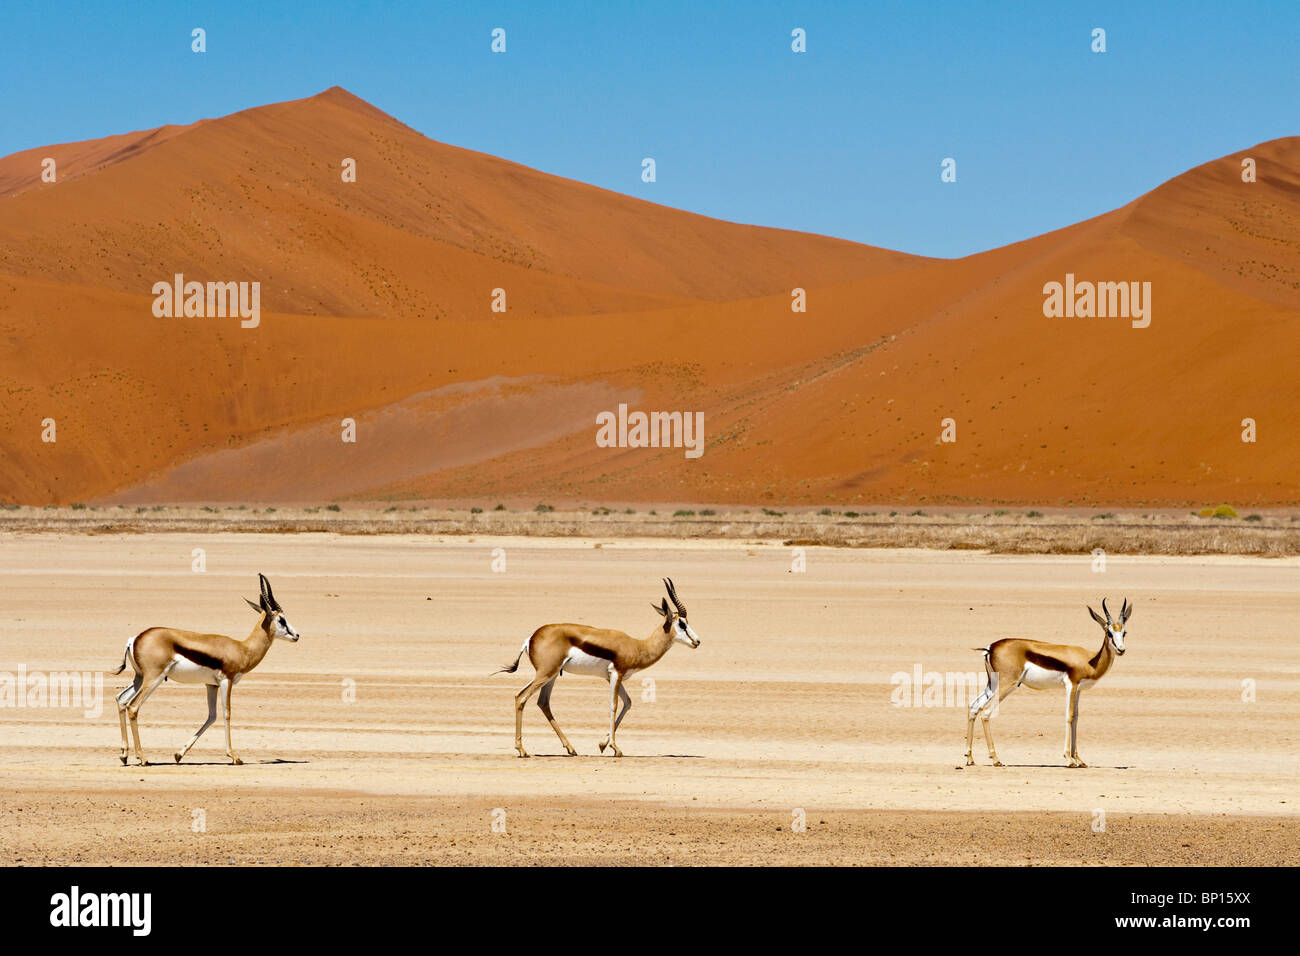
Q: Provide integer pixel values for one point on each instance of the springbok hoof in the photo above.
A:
(970, 761)
(234, 760)
(602, 745)
(522, 751)
(998, 763)
(572, 752)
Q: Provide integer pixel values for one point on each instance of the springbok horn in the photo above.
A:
(672, 593)
(1104, 611)
(271, 603)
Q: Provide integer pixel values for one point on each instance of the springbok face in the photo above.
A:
(1114, 630)
(683, 634)
(282, 629)
(675, 621)
(273, 619)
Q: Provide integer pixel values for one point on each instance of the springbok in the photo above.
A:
(595, 652)
(1037, 665)
(187, 657)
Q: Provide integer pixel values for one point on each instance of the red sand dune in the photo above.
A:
(376, 306)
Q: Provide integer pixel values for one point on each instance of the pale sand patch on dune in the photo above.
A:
(447, 427)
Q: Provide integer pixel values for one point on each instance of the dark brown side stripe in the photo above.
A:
(596, 650)
(1042, 660)
(198, 657)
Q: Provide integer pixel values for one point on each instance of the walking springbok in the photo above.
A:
(595, 652)
(1037, 665)
(187, 657)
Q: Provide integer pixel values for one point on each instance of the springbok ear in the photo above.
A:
(255, 607)
(1126, 612)
(1097, 617)
(662, 610)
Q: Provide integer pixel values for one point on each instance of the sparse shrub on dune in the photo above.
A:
(1218, 511)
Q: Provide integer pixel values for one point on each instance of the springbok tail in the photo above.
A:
(128, 655)
(520, 656)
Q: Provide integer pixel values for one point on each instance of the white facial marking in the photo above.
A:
(281, 628)
(684, 634)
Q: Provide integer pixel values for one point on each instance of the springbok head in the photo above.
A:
(1114, 630)
(273, 619)
(675, 620)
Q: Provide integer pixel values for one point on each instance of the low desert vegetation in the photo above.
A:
(1070, 532)
(1218, 511)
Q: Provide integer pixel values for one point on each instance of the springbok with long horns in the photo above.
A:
(1037, 665)
(187, 657)
(557, 649)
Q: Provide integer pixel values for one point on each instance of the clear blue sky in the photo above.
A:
(845, 139)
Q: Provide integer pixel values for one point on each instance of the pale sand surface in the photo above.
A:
(786, 706)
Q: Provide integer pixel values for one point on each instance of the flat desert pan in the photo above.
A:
(382, 736)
